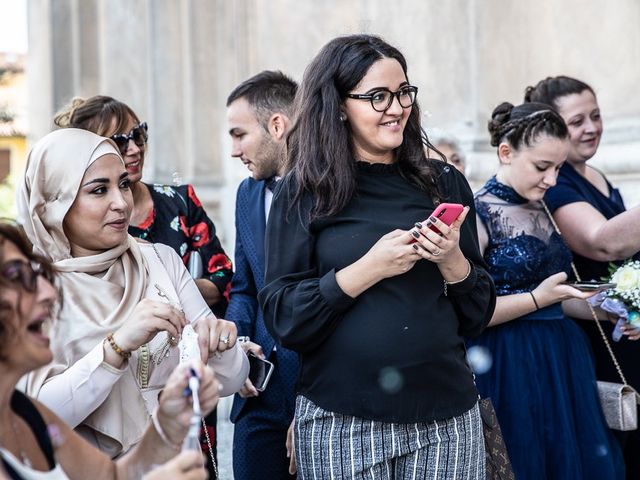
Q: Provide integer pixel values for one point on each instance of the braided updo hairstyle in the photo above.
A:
(523, 124)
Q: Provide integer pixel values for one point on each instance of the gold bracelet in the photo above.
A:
(116, 348)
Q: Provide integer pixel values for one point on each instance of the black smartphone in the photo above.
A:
(260, 371)
(591, 286)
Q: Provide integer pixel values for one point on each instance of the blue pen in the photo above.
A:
(192, 440)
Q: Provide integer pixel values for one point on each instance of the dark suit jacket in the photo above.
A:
(247, 281)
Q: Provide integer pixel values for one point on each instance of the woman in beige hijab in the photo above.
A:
(125, 302)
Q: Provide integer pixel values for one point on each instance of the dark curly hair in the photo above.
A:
(523, 124)
(9, 231)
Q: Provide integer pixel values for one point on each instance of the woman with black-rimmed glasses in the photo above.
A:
(169, 214)
(375, 304)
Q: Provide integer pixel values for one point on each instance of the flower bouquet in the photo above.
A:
(624, 299)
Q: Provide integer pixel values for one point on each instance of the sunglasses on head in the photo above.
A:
(138, 134)
(24, 274)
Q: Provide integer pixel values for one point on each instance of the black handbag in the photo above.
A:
(497, 458)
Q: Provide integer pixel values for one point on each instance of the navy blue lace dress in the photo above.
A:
(542, 380)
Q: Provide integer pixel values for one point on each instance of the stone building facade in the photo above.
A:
(174, 62)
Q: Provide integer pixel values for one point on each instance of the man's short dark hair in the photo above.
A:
(268, 92)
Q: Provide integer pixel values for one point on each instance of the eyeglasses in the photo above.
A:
(25, 273)
(382, 98)
(138, 134)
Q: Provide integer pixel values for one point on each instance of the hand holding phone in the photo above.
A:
(591, 286)
(260, 371)
(445, 212)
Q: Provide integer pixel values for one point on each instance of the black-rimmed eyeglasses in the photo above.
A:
(382, 98)
(138, 134)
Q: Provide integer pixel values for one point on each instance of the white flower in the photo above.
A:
(165, 190)
(175, 224)
(626, 278)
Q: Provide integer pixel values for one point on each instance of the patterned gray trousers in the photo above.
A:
(334, 446)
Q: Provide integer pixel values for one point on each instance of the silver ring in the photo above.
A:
(225, 340)
(436, 253)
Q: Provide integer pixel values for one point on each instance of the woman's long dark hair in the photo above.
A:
(320, 153)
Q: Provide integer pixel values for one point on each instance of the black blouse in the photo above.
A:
(395, 353)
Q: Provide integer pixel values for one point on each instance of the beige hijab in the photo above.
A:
(100, 291)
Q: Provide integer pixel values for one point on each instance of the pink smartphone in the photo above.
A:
(445, 212)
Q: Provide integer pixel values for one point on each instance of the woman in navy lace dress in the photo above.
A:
(542, 380)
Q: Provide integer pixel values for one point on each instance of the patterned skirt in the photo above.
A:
(334, 446)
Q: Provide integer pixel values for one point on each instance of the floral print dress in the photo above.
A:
(179, 221)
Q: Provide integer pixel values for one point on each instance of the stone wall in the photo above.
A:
(174, 62)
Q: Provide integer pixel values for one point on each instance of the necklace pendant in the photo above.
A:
(25, 460)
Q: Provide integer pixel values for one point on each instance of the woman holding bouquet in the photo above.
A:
(542, 381)
(596, 225)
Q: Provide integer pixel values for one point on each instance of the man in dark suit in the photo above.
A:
(259, 116)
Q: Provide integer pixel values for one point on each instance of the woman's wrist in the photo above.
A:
(111, 356)
(535, 300)
(457, 270)
(358, 277)
(162, 431)
(540, 298)
(121, 341)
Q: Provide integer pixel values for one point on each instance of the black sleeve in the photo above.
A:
(474, 299)
(301, 308)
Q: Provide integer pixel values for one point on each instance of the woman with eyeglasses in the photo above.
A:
(375, 302)
(168, 214)
(126, 302)
(35, 443)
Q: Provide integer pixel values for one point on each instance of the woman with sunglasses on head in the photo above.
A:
(597, 226)
(375, 304)
(35, 443)
(126, 302)
(541, 378)
(168, 214)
